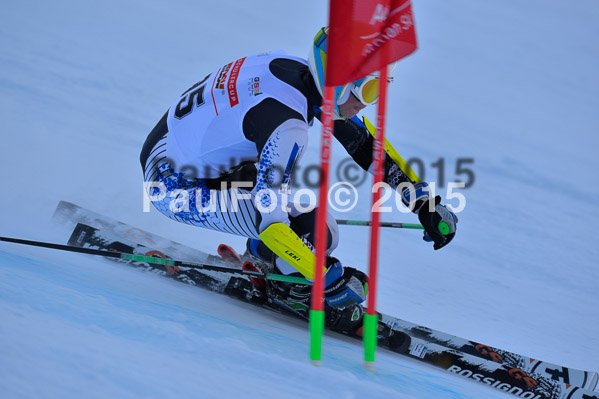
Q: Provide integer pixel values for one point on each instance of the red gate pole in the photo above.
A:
(317, 306)
(371, 317)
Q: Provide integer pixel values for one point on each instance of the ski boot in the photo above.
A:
(347, 320)
(289, 297)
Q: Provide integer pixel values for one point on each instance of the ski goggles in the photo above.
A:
(366, 89)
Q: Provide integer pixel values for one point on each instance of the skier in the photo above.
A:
(240, 131)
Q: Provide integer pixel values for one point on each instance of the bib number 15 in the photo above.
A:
(195, 95)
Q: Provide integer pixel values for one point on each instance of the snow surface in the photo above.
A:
(512, 84)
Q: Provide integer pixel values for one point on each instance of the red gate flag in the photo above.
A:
(365, 36)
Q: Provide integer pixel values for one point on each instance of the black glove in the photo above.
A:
(439, 222)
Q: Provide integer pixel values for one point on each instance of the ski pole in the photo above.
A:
(156, 261)
(396, 225)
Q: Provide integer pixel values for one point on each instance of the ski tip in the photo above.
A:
(316, 363)
(222, 249)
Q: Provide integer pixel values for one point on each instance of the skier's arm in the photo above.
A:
(278, 157)
(438, 221)
(358, 142)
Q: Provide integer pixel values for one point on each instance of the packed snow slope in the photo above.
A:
(512, 85)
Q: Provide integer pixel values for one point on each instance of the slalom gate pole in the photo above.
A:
(397, 225)
(317, 306)
(371, 317)
(156, 261)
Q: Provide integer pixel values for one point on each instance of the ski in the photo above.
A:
(84, 236)
(503, 370)
(580, 378)
(496, 375)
